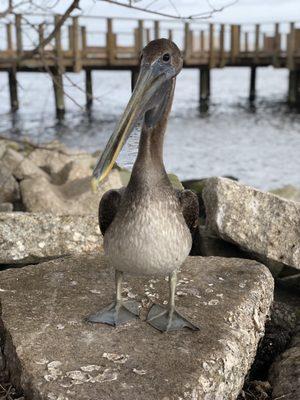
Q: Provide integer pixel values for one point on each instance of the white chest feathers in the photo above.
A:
(149, 237)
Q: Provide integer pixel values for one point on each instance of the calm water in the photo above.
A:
(260, 147)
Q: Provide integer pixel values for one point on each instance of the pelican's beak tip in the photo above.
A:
(94, 184)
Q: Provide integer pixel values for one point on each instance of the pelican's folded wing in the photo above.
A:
(108, 208)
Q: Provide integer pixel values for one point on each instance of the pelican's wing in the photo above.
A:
(108, 208)
(190, 208)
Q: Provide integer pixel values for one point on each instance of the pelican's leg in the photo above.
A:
(168, 319)
(119, 311)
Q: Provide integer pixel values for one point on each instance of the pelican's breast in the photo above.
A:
(148, 236)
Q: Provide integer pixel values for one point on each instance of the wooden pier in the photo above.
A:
(76, 47)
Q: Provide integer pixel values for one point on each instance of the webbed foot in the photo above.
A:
(116, 313)
(166, 320)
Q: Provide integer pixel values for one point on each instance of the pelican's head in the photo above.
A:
(161, 61)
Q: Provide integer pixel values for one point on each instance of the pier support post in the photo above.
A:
(57, 79)
(13, 89)
(88, 88)
(294, 88)
(204, 87)
(134, 76)
(252, 92)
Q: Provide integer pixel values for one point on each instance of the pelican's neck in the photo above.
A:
(149, 167)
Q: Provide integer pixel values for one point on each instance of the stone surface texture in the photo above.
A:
(284, 374)
(55, 355)
(19, 165)
(33, 237)
(9, 188)
(288, 192)
(71, 197)
(258, 222)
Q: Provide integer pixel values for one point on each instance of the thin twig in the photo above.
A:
(62, 20)
(192, 17)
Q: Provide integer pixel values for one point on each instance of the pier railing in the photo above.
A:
(76, 45)
(104, 43)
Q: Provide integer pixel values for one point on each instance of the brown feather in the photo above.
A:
(108, 207)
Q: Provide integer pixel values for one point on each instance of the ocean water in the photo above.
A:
(259, 145)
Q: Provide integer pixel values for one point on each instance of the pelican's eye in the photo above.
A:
(166, 57)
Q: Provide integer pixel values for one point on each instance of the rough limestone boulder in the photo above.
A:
(53, 157)
(20, 166)
(288, 192)
(284, 374)
(31, 238)
(52, 353)
(72, 197)
(9, 188)
(258, 222)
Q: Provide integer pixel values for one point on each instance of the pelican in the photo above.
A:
(147, 225)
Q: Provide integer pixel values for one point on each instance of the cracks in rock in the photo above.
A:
(4, 267)
(10, 367)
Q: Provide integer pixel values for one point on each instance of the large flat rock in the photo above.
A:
(34, 237)
(259, 222)
(58, 356)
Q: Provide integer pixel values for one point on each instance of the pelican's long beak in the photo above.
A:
(149, 80)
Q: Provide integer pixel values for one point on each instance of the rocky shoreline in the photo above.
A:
(48, 212)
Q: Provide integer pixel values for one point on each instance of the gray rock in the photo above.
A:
(284, 374)
(6, 207)
(288, 192)
(53, 354)
(258, 222)
(30, 238)
(72, 197)
(54, 159)
(20, 166)
(291, 281)
(9, 188)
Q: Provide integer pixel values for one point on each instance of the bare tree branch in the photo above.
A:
(203, 15)
(8, 10)
(62, 20)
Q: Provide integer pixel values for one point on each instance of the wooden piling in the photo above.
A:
(58, 48)
(148, 35)
(13, 89)
(140, 36)
(18, 20)
(187, 42)
(110, 42)
(170, 34)
(277, 46)
(41, 30)
(9, 37)
(246, 42)
(291, 47)
(294, 88)
(257, 48)
(221, 47)
(204, 85)
(252, 92)
(211, 46)
(76, 49)
(83, 40)
(70, 37)
(88, 88)
(202, 41)
(156, 30)
(57, 79)
(235, 42)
